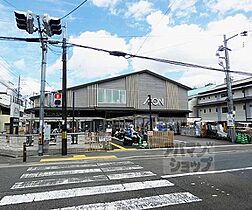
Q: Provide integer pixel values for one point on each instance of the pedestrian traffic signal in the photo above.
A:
(51, 25)
(57, 99)
(25, 21)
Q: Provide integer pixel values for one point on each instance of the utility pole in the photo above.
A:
(149, 103)
(73, 123)
(42, 90)
(230, 103)
(64, 97)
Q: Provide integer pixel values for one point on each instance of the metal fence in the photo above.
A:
(12, 145)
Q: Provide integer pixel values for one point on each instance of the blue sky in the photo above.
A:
(182, 30)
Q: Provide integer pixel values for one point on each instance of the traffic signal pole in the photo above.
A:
(64, 98)
(42, 91)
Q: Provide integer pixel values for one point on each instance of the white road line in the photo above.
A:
(80, 171)
(130, 175)
(85, 191)
(76, 180)
(118, 163)
(142, 203)
(43, 168)
(61, 181)
(55, 167)
(206, 172)
(60, 173)
(121, 168)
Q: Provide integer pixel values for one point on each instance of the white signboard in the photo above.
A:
(14, 111)
(230, 120)
(47, 133)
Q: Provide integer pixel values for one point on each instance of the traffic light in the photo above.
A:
(25, 21)
(51, 25)
(57, 99)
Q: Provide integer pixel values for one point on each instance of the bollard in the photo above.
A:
(24, 152)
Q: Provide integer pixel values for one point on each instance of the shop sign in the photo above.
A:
(155, 101)
(14, 112)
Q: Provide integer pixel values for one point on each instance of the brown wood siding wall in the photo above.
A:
(172, 96)
(132, 91)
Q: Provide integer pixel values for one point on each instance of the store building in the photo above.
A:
(211, 105)
(11, 110)
(118, 101)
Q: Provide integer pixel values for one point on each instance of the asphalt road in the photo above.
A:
(136, 179)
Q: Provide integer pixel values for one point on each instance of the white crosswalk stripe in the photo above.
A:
(141, 203)
(104, 175)
(55, 167)
(80, 171)
(84, 191)
(75, 180)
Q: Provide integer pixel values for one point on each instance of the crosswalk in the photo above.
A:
(55, 182)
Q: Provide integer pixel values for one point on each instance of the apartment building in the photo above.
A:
(211, 104)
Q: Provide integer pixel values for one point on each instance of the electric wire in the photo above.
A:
(172, 62)
(10, 4)
(147, 37)
(128, 55)
(74, 9)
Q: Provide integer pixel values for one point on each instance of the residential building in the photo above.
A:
(211, 104)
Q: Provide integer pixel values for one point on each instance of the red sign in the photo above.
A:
(57, 95)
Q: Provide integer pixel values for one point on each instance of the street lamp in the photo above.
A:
(226, 67)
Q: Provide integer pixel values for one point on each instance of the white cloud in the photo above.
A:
(20, 64)
(192, 44)
(224, 6)
(182, 8)
(90, 64)
(139, 9)
(105, 3)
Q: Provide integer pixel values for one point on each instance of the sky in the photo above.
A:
(181, 30)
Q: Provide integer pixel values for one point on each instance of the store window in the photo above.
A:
(224, 109)
(223, 95)
(111, 96)
(210, 110)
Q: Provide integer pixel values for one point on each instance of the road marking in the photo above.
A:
(121, 168)
(118, 146)
(79, 171)
(55, 167)
(60, 173)
(130, 175)
(61, 181)
(84, 191)
(206, 172)
(77, 158)
(142, 203)
(75, 180)
(115, 163)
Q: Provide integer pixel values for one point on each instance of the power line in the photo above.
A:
(10, 4)
(128, 55)
(147, 37)
(172, 62)
(74, 9)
